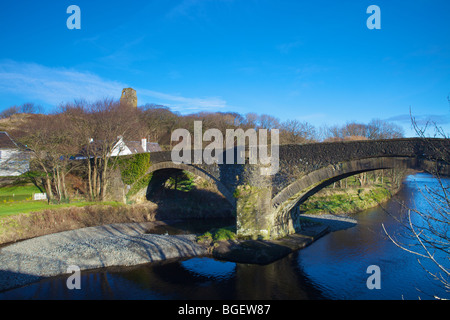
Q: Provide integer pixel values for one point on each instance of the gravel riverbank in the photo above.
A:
(89, 248)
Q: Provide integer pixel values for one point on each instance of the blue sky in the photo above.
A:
(315, 61)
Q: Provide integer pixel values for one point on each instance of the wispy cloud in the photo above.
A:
(421, 120)
(180, 103)
(54, 86)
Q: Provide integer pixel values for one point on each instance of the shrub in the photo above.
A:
(134, 167)
(218, 234)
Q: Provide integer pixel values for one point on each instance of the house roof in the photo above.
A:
(6, 142)
(136, 146)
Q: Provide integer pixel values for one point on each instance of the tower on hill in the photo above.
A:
(129, 97)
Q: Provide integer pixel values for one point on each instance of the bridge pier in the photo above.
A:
(255, 216)
(257, 219)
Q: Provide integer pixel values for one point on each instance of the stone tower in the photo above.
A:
(129, 97)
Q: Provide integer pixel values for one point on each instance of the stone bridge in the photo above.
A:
(264, 204)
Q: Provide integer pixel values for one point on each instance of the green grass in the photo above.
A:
(19, 190)
(18, 207)
(17, 199)
(17, 193)
(218, 234)
(346, 202)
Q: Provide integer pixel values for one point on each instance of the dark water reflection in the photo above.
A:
(334, 267)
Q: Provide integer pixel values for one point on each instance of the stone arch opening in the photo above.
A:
(315, 181)
(185, 192)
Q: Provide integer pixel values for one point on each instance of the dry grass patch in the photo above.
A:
(34, 224)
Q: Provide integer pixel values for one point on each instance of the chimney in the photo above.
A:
(144, 144)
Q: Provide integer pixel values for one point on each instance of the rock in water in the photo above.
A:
(129, 97)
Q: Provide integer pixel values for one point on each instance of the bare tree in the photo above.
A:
(30, 107)
(7, 113)
(159, 122)
(251, 120)
(428, 228)
(379, 129)
(51, 143)
(376, 129)
(295, 131)
(98, 127)
(268, 122)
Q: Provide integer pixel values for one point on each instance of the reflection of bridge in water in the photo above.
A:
(263, 203)
(225, 280)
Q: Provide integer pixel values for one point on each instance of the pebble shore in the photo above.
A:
(89, 248)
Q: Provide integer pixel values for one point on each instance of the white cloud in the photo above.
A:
(53, 86)
(422, 119)
(180, 103)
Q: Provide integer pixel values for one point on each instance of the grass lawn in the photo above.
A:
(17, 207)
(17, 193)
(19, 190)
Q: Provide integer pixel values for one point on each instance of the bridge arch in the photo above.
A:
(315, 181)
(300, 190)
(167, 165)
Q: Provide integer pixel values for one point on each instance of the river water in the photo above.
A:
(333, 267)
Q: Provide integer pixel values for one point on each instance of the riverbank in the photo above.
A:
(130, 244)
(347, 201)
(127, 244)
(49, 219)
(90, 248)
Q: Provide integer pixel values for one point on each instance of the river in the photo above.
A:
(334, 267)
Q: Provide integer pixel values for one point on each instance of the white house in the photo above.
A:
(14, 160)
(124, 148)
